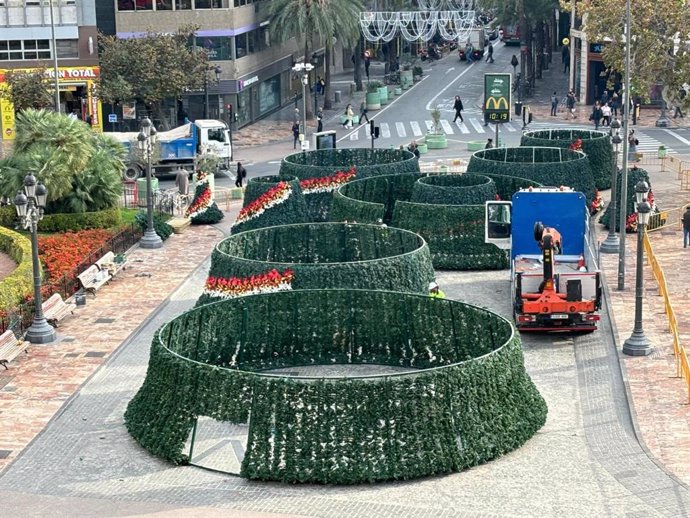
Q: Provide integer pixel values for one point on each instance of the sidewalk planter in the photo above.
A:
(661, 152)
(398, 91)
(422, 148)
(383, 95)
(436, 140)
(373, 101)
(475, 145)
(406, 79)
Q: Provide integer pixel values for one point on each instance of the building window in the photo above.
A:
(67, 48)
(241, 45)
(210, 4)
(134, 5)
(218, 49)
(183, 5)
(164, 5)
(18, 50)
(251, 42)
(269, 94)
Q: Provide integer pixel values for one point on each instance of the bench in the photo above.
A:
(109, 262)
(93, 278)
(10, 347)
(55, 309)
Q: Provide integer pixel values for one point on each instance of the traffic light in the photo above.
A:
(373, 130)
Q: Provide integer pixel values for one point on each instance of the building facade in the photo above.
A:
(256, 75)
(26, 42)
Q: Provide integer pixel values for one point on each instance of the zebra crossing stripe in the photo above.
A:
(400, 128)
(367, 131)
(462, 127)
(477, 126)
(416, 130)
(355, 135)
(508, 126)
(385, 130)
(446, 127)
(429, 125)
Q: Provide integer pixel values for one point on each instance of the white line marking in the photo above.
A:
(477, 126)
(416, 130)
(429, 125)
(509, 126)
(385, 130)
(463, 128)
(431, 104)
(355, 135)
(675, 135)
(446, 127)
(400, 128)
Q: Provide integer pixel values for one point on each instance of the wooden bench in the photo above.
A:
(10, 347)
(109, 264)
(93, 278)
(55, 309)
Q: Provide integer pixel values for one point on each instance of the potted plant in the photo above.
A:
(417, 72)
(383, 94)
(436, 138)
(406, 77)
(373, 95)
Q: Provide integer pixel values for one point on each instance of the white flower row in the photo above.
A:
(276, 201)
(200, 210)
(283, 286)
(322, 188)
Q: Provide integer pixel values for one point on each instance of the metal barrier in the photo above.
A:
(682, 368)
(678, 164)
(444, 166)
(669, 218)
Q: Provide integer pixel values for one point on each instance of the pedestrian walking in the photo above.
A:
(241, 174)
(458, 107)
(566, 63)
(686, 227)
(570, 102)
(319, 120)
(363, 112)
(615, 104)
(490, 55)
(606, 115)
(295, 134)
(514, 63)
(632, 146)
(489, 143)
(554, 104)
(413, 148)
(678, 111)
(349, 114)
(469, 50)
(182, 181)
(595, 116)
(604, 97)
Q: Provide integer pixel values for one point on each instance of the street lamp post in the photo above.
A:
(306, 68)
(611, 243)
(30, 205)
(638, 344)
(623, 212)
(147, 135)
(217, 71)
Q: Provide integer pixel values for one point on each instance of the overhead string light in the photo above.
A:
(417, 25)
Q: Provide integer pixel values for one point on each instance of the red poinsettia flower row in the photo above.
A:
(238, 286)
(327, 183)
(200, 203)
(576, 145)
(62, 253)
(273, 196)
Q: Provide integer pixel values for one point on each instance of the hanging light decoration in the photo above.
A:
(416, 25)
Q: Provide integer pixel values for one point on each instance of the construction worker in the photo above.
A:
(435, 292)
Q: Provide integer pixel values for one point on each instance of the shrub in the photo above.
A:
(595, 144)
(470, 400)
(80, 221)
(62, 253)
(159, 223)
(373, 86)
(466, 189)
(417, 71)
(18, 285)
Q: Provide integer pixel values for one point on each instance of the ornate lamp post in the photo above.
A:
(217, 71)
(638, 344)
(306, 68)
(611, 243)
(147, 135)
(30, 205)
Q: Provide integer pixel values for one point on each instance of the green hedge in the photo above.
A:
(595, 144)
(292, 210)
(326, 162)
(470, 400)
(506, 186)
(466, 189)
(546, 165)
(160, 225)
(455, 233)
(634, 175)
(66, 222)
(19, 284)
(325, 255)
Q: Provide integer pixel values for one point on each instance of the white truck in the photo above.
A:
(180, 146)
(477, 39)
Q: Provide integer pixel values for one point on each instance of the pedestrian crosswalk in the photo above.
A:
(649, 144)
(469, 126)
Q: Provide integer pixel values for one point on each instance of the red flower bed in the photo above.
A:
(62, 253)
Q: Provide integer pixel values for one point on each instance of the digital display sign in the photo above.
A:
(497, 98)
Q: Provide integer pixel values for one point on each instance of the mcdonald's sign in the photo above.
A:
(497, 98)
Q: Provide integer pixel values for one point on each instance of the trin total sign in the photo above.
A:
(497, 98)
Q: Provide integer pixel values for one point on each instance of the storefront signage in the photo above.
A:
(74, 73)
(497, 98)
(243, 83)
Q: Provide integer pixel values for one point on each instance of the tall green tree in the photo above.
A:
(28, 89)
(151, 69)
(659, 52)
(308, 20)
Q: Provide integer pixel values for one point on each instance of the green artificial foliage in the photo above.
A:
(506, 186)
(159, 223)
(635, 175)
(292, 209)
(595, 144)
(466, 189)
(469, 399)
(326, 162)
(323, 255)
(210, 216)
(548, 166)
(455, 233)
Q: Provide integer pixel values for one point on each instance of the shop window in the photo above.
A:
(269, 94)
(164, 5)
(135, 5)
(210, 4)
(125, 5)
(183, 5)
(67, 48)
(144, 5)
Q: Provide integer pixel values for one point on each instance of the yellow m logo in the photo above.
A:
(496, 104)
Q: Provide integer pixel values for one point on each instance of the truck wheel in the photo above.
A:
(131, 173)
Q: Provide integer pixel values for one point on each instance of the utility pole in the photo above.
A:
(624, 174)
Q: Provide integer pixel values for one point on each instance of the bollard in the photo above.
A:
(352, 89)
(337, 96)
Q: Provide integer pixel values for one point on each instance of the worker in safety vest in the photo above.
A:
(435, 292)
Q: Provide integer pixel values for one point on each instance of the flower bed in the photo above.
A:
(62, 253)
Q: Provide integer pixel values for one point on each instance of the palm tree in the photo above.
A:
(326, 19)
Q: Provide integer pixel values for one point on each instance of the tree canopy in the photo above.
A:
(28, 89)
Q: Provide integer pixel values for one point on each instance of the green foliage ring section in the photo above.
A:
(328, 255)
(466, 189)
(595, 144)
(546, 165)
(70, 222)
(635, 175)
(293, 210)
(326, 162)
(19, 284)
(469, 401)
